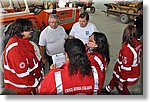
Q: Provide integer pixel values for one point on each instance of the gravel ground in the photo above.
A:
(113, 28)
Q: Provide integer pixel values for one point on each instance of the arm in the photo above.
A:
(42, 53)
(96, 62)
(21, 66)
(66, 35)
(127, 61)
(42, 44)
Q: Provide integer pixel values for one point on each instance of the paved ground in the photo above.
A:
(113, 28)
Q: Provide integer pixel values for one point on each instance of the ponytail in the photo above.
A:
(79, 62)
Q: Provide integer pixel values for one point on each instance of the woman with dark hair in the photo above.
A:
(101, 45)
(98, 52)
(127, 68)
(76, 76)
(78, 58)
(22, 71)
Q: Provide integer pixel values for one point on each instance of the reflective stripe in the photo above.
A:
(122, 80)
(99, 62)
(116, 74)
(119, 61)
(118, 77)
(132, 79)
(135, 63)
(22, 86)
(119, 69)
(126, 68)
(22, 74)
(39, 88)
(27, 61)
(11, 46)
(95, 74)
(58, 81)
(108, 88)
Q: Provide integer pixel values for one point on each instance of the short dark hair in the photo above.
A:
(77, 56)
(84, 14)
(102, 45)
(128, 34)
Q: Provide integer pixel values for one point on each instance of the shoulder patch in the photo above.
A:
(22, 65)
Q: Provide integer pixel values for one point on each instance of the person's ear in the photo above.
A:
(22, 33)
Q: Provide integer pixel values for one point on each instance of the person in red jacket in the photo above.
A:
(22, 71)
(76, 76)
(98, 52)
(127, 68)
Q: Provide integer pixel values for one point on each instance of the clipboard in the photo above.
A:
(58, 59)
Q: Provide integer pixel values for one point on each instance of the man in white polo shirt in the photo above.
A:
(52, 39)
(83, 29)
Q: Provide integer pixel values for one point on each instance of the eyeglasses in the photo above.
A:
(27, 28)
(91, 39)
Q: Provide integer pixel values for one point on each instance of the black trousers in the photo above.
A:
(49, 58)
(46, 67)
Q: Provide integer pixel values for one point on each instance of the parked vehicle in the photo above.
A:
(85, 4)
(38, 14)
(10, 10)
(124, 10)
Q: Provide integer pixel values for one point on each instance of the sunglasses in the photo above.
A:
(91, 40)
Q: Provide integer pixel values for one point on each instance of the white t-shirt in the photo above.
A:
(83, 33)
(53, 40)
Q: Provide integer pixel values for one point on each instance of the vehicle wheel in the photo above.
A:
(124, 18)
(92, 9)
